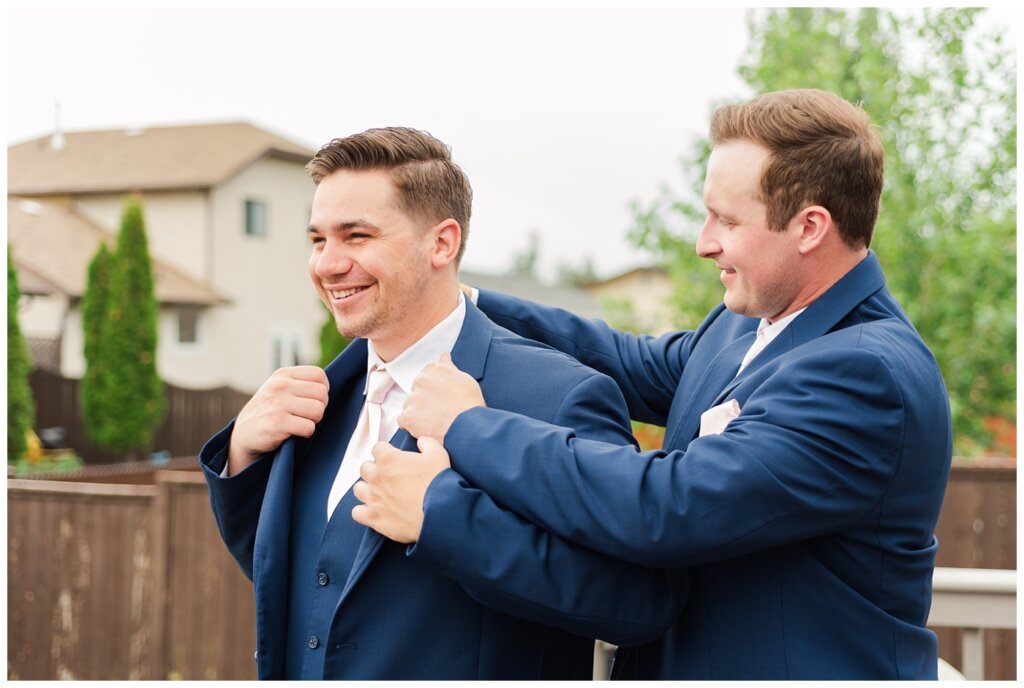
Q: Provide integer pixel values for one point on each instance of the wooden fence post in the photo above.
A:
(161, 562)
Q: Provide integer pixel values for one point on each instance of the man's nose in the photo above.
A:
(706, 245)
(334, 259)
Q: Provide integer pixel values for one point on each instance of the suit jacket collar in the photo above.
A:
(470, 351)
(860, 283)
(844, 296)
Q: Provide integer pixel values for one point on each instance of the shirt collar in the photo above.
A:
(428, 349)
(772, 330)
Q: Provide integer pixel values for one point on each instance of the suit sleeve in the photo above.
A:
(507, 563)
(647, 369)
(236, 500)
(811, 450)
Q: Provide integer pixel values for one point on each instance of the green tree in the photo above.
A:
(132, 400)
(21, 407)
(525, 264)
(332, 342)
(579, 275)
(96, 381)
(943, 96)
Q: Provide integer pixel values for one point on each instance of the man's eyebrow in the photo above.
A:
(346, 226)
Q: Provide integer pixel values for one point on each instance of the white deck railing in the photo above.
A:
(974, 599)
(971, 599)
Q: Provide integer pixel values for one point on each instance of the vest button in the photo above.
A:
(313, 642)
(322, 578)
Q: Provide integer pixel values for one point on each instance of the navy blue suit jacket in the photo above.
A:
(505, 600)
(807, 525)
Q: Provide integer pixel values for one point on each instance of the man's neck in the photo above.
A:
(436, 307)
(824, 277)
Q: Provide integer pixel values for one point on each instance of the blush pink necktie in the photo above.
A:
(366, 434)
(759, 344)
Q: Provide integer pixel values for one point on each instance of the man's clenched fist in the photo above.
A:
(290, 402)
(439, 393)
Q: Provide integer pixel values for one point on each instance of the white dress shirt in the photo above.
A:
(766, 332)
(403, 370)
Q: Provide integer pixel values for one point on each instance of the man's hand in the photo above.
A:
(393, 488)
(439, 394)
(290, 402)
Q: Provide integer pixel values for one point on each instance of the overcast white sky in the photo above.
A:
(559, 117)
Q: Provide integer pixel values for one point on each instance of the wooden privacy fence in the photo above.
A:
(132, 581)
(193, 415)
(978, 529)
(128, 582)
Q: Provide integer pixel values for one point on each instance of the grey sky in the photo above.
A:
(560, 117)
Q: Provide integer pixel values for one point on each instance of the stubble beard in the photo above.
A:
(767, 303)
(353, 328)
(383, 313)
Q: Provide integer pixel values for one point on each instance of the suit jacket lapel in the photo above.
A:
(271, 548)
(716, 376)
(372, 540)
(470, 356)
(270, 562)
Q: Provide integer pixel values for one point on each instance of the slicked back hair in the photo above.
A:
(823, 151)
(430, 186)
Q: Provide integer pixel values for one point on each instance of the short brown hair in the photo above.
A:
(430, 186)
(823, 151)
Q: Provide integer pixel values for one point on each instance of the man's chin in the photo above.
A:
(351, 330)
(735, 305)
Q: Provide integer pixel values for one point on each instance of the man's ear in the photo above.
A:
(446, 238)
(814, 225)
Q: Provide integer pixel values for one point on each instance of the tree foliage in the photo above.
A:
(943, 95)
(21, 407)
(332, 342)
(525, 263)
(580, 275)
(95, 382)
(131, 398)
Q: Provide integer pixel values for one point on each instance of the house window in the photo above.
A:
(255, 218)
(285, 347)
(188, 325)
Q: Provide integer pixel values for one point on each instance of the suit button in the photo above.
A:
(313, 642)
(322, 578)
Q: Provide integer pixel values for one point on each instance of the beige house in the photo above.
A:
(637, 300)
(226, 209)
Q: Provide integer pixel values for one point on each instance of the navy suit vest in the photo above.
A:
(322, 552)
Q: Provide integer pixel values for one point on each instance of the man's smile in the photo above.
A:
(339, 294)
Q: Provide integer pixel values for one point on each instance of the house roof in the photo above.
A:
(160, 158)
(570, 298)
(653, 270)
(52, 246)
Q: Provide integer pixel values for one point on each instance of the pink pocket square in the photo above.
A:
(714, 420)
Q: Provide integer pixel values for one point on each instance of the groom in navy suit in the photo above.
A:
(335, 600)
(808, 436)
